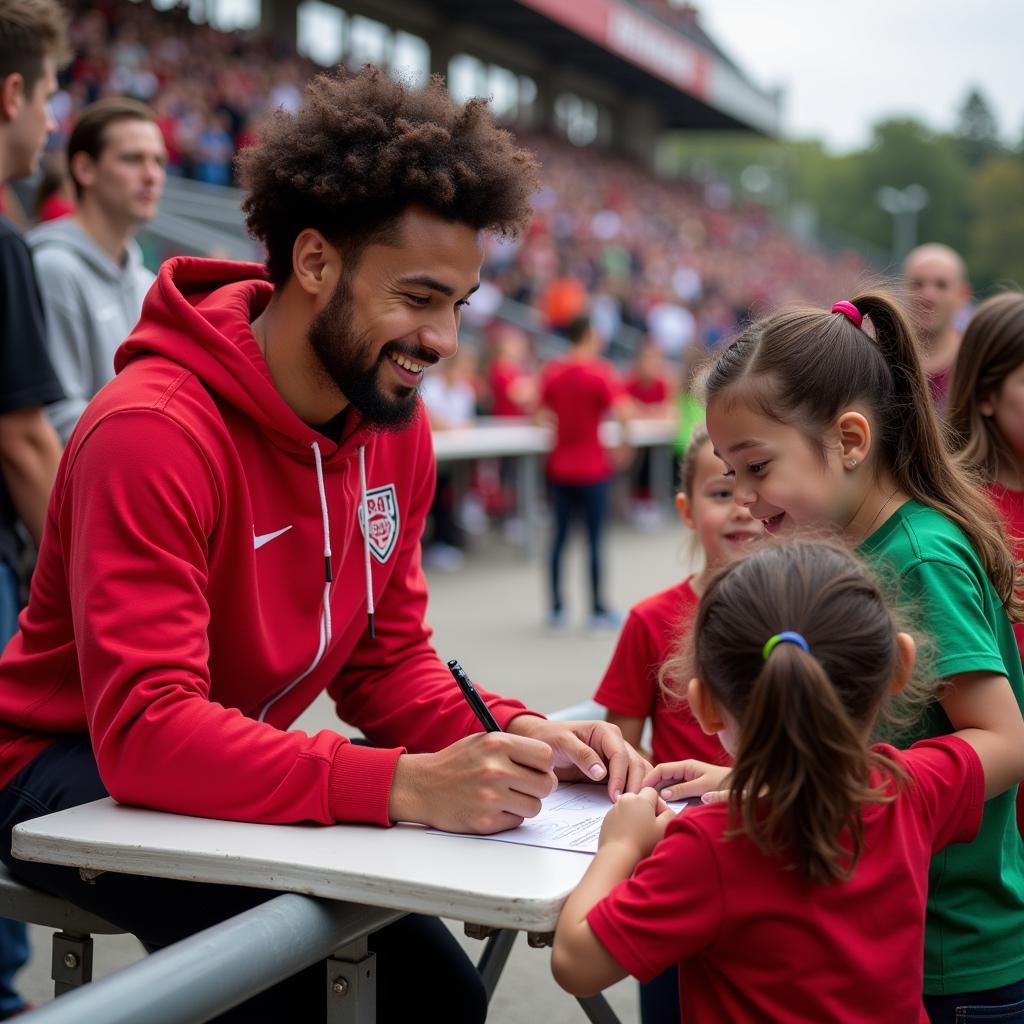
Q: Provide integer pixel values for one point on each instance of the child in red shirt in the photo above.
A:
(986, 414)
(630, 689)
(801, 895)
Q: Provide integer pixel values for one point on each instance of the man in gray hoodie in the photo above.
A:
(88, 265)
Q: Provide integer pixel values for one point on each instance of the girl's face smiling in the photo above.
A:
(777, 473)
(723, 528)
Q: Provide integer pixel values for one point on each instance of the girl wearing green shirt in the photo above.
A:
(825, 420)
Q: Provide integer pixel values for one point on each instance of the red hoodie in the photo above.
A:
(178, 611)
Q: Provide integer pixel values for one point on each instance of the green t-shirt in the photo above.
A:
(974, 931)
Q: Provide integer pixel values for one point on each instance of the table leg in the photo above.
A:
(351, 977)
(661, 476)
(527, 492)
(493, 958)
(72, 961)
(598, 1011)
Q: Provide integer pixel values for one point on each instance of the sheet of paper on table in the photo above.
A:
(570, 819)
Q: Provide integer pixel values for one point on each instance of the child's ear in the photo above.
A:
(685, 508)
(704, 707)
(854, 438)
(906, 658)
(986, 408)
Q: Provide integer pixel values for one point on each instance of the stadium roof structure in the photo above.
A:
(692, 82)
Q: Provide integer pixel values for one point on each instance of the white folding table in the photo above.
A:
(485, 884)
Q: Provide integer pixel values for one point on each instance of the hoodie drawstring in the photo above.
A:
(328, 571)
(365, 505)
(326, 630)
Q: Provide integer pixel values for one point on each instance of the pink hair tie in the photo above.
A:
(850, 311)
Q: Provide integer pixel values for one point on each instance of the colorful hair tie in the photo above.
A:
(850, 311)
(786, 637)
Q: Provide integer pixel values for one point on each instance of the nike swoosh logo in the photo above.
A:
(258, 540)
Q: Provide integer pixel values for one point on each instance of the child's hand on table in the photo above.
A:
(637, 821)
(684, 780)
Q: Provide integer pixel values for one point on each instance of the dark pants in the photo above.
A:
(13, 934)
(419, 963)
(1005, 1005)
(590, 501)
(659, 999)
(442, 512)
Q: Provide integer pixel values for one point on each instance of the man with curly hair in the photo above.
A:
(236, 526)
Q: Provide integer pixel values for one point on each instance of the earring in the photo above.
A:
(852, 463)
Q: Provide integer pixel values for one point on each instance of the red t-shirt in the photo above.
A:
(503, 377)
(648, 392)
(630, 685)
(580, 395)
(756, 942)
(1011, 508)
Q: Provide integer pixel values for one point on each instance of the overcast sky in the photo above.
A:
(845, 65)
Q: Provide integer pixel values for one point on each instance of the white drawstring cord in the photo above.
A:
(364, 501)
(325, 615)
(328, 571)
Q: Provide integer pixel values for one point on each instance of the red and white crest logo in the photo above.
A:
(382, 511)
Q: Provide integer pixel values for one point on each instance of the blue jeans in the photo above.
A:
(591, 500)
(13, 934)
(1005, 1005)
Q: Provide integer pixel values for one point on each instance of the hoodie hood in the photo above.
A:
(66, 234)
(199, 314)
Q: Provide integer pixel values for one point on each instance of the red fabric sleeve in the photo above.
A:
(395, 687)
(948, 788)
(629, 686)
(669, 909)
(136, 553)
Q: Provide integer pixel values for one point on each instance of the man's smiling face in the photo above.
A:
(397, 314)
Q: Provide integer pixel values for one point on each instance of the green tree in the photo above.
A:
(976, 132)
(996, 253)
(902, 152)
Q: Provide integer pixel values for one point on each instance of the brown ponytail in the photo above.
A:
(919, 453)
(805, 366)
(803, 767)
(799, 744)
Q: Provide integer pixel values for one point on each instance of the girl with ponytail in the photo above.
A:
(825, 421)
(801, 897)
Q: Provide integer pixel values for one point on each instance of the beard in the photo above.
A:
(347, 360)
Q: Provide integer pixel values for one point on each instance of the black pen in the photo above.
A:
(475, 701)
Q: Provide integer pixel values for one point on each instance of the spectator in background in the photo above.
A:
(510, 379)
(563, 301)
(449, 394)
(32, 42)
(651, 388)
(512, 390)
(936, 278)
(215, 150)
(55, 197)
(89, 265)
(579, 391)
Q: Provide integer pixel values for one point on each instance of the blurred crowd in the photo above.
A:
(676, 262)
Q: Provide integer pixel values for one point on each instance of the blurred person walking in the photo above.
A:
(936, 278)
(651, 388)
(33, 39)
(580, 390)
(89, 265)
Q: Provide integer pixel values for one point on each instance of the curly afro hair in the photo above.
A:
(362, 149)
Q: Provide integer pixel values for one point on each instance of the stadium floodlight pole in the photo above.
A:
(903, 204)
